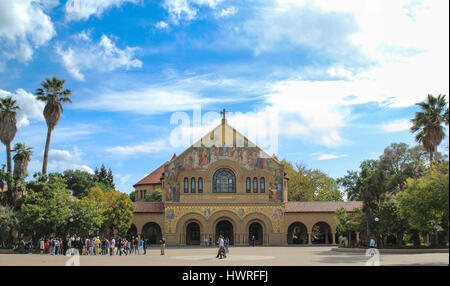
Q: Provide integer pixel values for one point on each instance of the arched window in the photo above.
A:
(255, 185)
(192, 185)
(142, 195)
(200, 185)
(186, 185)
(224, 181)
(248, 185)
(145, 194)
(262, 187)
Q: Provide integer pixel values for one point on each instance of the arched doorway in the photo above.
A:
(152, 232)
(225, 228)
(321, 233)
(297, 233)
(255, 229)
(132, 232)
(193, 234)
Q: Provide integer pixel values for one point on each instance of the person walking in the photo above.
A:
(163, 245)
(220, 253)
(372, 242)
(227, 244)
(253, 240)
(210, 241)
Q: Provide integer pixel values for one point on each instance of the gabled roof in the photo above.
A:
(153, 178)
(307, 207)
(149, 207)
(225, 135)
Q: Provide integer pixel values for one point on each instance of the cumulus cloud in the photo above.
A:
(83, 9)
(30, 107)
(61, 160)
(84, 54)
(24, 27)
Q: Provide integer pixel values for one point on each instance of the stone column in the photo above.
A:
(309, 239)
(326, 237)
(357, 237)
(334, 237)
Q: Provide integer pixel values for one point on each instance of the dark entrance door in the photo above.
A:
(225, 228)
(255, 229)
(193, 234)
(152, 232)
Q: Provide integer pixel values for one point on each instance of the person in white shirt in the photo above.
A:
(221, 253)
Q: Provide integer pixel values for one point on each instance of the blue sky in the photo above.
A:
(341, 77)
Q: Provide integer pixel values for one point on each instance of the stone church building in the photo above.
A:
(225, 184)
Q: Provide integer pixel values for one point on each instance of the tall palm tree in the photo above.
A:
(428, 123)
(8, 125)
(53, 94)
(21, 160)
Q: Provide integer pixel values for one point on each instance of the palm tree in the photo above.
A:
(8, 125)
(21, 160)
(53, 94)
(428, 123)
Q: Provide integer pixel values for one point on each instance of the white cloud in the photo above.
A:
(30, 107)
(61, 160)
(187, 9)
(83, 9)
(142, 148)
(226, 12)
(24, 27)
(397, 125)
(330, 156)
(177, 94)
(161, 25)
(83, 54)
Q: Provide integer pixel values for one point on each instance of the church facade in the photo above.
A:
(225, 184)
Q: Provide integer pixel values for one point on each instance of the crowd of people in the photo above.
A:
(89, 246)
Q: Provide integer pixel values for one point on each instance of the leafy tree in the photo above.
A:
(110, 179)
(425, 201)
(117, 209)
(351, 184)
(80, 182)
(8, 125)
(53, 94)
(310, 185)
(46, 212)
(428, 123)
(132, 196)
(87, 218)
(390, 221)
(8, 223)
(155, 196)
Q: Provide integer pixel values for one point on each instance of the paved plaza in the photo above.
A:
(239, 256)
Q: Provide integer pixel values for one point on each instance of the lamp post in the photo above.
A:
(70, 222)
(378, 239)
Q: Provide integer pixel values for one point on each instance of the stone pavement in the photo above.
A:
(239, 256)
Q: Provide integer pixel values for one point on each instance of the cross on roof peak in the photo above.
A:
(223, 112)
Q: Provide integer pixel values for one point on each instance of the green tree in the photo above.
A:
(79, 182)
(21, 160)
(117, 209)
(155, 196)
(132, 196)
(46, 212)
(53, 94)
(310, 185)
(428, 123)
(87, 218)
(8, 223)
(8, 125)
(425, 201)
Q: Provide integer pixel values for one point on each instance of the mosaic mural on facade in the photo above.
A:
(200, 158)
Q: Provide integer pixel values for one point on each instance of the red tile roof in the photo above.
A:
(153, 178)
(149, 207)
(306, 207)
